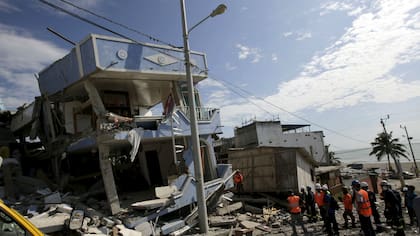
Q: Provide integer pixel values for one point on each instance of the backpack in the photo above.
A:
(333, 203)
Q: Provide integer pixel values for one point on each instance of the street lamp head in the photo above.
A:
(219, 10)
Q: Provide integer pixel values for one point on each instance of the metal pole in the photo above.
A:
(412, 153)
(387, 154)
(202, 210)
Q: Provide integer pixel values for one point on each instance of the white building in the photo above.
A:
(275, 134)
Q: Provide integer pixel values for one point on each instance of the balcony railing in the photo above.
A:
(203, 113)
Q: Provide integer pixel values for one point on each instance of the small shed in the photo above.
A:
(331, 176)
(273, 169)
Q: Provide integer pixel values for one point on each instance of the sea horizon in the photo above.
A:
(361, 155)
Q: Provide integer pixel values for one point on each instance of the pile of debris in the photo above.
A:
(57, 213)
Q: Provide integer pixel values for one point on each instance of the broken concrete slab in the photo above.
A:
(76, 219)
(145, 228)
(227, 209)
(180, 231)
(215, 221)
(64, 208)
(50, 223)
(172, 226)
(54, 198)
(122, 230)
(249, 224)
(150, 204)
(165, 191)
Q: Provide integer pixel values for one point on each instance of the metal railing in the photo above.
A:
(203, 113)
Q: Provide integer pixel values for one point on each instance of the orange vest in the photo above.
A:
(363, 203)
(347, 202)
(294, 204)
(238, 178)
(319, 198)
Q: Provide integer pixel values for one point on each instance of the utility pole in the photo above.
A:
(386, 133)
(411, 149)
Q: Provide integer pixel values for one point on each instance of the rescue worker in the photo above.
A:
(392, 208)
(295, 212)
(310, 204)
(348, 209)
(303, 196)
(372, 200)
(411, 194)
(238, 179)
(363, 208)
(330, 206)
(319, 200)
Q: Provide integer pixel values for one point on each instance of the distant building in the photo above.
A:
(275, 134)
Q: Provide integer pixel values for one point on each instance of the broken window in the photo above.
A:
(117, 102)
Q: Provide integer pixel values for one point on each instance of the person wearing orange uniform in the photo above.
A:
(348, 209)
(238, 179)
(295, 212)
(363, 208)
(319, 200)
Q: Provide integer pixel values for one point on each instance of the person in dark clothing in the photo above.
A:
(331, 206)
(303, 196)
(310, 204)
(410, 195)
(393, 208)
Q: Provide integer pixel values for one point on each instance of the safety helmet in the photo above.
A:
(324, 187)
(404, 189)
(308, 187)
(364, 185)
(384, 183)
(355, 182)
(317, 186)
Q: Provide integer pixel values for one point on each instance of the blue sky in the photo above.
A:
(339, 65)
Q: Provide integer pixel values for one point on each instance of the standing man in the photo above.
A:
(331, 206)
(372, 200)
(238, 179)
(410, 195)
(319, 200)
(295, 212)
(303, 196)
(393, 207)
(348, 208)
(363, 208)
(310, 204)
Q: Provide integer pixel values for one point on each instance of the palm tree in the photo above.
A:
(333, 159)
(383, 145)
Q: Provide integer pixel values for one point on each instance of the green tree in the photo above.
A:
(334, 160)
(385, 145)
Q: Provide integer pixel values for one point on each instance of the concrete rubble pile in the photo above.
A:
(57, 213)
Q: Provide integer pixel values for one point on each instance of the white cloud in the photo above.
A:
(287, 34)
(7, 7)
(22, 57)
(302, 36)
(357, 68)
(274, 57)
(350, 6)
(247, 52)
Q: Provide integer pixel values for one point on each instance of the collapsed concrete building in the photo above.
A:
(96, 121)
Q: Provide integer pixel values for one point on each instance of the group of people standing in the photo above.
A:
(357, 197)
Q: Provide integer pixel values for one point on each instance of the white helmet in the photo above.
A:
(317, 186)
(325, 187)
(384, 183)
(364, 185)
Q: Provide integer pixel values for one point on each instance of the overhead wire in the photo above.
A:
(119, 24)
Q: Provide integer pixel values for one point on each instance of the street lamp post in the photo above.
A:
(411, 149)
(201, 203)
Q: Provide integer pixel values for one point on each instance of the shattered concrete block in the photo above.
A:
(53, 198)
(165, 191)
(249, 224)
(229, 208)
(180, 231)
(76, 219)
(107, 222)
(215, 221)
(122, 230)
(50, 223)
(44, 191)
(150, 204)
(145, 228)
(64, 208)
(172, 226)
